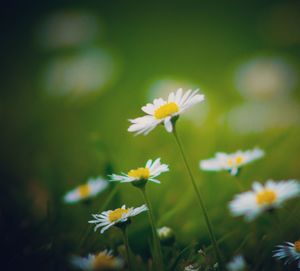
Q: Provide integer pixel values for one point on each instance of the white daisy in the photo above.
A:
(110, 218)
(192, 267)
(237, 264)
(290, 251)
(97, 262)
(231, 162)
(151, 170)
(163, 111)
(263, 198)
(92, 188)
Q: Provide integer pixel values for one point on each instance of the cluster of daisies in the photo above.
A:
(249, 204)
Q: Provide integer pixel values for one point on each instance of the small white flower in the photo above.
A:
(151, 170)
(97, 262)
(166, 235)
(231, 162)
(237, 264)
(162, 111)
(92, 188)
(110, 218)
(164, 232)
(263, 198)
(290, 251)
(192, 267)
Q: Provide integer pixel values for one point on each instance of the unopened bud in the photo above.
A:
(166, 236)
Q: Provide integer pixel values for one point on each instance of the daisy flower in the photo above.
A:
(231, 162)
(111, 218)
(290, 251)
(192, 267)
(164, 111)
(237, 264)
(97, 262)
(151, 170)
(263, 198)
(92, 188)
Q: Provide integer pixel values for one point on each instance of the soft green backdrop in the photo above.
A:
(51, 143)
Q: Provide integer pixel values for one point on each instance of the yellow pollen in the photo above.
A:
(230, 162)
(117, 214)
(166, 110)
(297, 246)
(84, 190)
(236, 161)
(139, 173)
(239, 160)
(103, 261)
(266, 196)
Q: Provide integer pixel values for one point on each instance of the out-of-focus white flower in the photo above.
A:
(290, 252)
(256, 117)
(89, 70)
(265, 78)
(68, 28)
(110, 218)
(151, 170)
(164, 111)
(231, 162)
(237, 264)
(97, 262)
(263, 197)
(92, 188)
(192, 267)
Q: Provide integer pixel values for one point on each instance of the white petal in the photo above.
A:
(115, 177)
(97, 185)
(171, 97)
(72, 197)
(234, 171)
(148, 109)
(154, 180)
(178, 95)
(168, 124)
(148, 164)
(211, 164)
(143, 124)
(158, 102)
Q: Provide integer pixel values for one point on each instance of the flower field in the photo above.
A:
(151, 136)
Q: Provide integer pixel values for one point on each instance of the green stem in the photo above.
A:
(127, 248)
(240, 186)
(157, 247)
(200, 200)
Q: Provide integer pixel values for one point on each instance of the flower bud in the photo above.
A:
(166, 236)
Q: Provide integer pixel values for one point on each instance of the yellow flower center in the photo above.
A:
(84, 190)
(237, 161)
(297, 246)
(103, 261)
(139, 173)
(166, 110)
(266, 196)
(230, 162)
(117, 214)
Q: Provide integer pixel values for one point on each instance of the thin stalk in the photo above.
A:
(157, 247)
(127, 248)
(240, 186)
(200, 200)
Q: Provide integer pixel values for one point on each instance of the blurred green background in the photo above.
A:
(74, 72)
